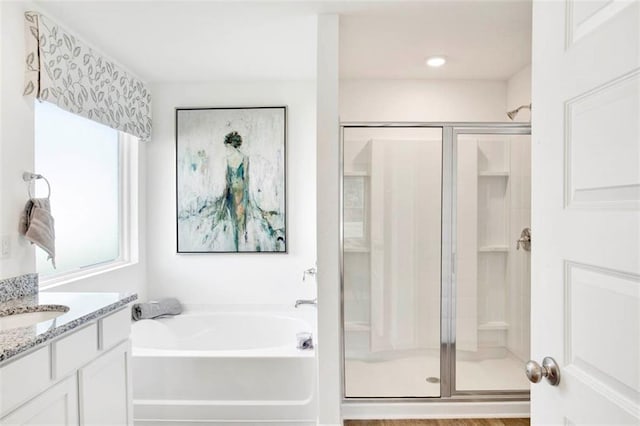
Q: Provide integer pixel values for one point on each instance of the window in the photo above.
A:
(84, 162)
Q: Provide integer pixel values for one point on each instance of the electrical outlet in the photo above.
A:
(5, 246)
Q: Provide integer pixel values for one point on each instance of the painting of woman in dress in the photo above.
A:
(231, 184)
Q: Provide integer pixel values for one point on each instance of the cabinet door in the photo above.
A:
(105, 391)
(56, 406)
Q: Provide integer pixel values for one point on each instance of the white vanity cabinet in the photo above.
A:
(82, 378)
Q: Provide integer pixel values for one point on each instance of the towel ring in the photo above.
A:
(28, 177)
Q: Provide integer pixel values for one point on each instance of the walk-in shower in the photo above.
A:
(435, 284)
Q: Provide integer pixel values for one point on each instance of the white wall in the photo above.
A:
(519, 93)
(423, 100)
(16, 139)
(219, 278)
(17, 156)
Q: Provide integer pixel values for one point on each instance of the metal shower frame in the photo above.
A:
(450, 132)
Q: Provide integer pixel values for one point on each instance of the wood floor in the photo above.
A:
(448, 422)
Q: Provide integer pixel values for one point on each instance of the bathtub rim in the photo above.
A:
(307, 314)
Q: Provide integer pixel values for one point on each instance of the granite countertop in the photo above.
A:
(83, 308)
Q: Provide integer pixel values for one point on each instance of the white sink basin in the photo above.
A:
(42, 313)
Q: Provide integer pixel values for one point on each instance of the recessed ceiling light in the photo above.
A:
(436, 61)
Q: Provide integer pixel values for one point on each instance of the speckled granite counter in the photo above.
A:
(20, 295)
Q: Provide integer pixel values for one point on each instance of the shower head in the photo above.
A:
(512, 114)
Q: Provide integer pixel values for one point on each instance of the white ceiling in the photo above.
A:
(195, 41)
(480, 39)
(264, 40)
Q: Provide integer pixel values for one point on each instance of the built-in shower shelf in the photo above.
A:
(357, 250)
(494, 325)
(357, 326)
(356, 173)
(494, 249)
(493, 174)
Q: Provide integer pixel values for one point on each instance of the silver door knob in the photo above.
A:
(549, 369)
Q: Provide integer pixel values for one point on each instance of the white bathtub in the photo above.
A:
(233, 367)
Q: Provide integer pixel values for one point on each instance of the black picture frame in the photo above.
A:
(235, 204)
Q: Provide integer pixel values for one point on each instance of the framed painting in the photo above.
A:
(231, 180)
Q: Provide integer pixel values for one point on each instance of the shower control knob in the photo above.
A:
(525, 240)
(549, 369)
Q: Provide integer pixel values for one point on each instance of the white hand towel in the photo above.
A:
(37, 225)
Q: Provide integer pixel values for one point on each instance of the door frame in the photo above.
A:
(450, 132)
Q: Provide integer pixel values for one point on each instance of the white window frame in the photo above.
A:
(128, 219)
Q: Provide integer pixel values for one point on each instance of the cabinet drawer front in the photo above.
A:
(23, 379)
(75, 350)
(115, 328)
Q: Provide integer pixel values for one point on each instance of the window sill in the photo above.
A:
(71, 277)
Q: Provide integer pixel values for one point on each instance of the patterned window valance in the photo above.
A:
(65, 71)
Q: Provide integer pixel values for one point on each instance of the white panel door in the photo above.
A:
(586, 210)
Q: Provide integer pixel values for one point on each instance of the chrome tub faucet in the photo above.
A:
(306, 302)
(311, 271)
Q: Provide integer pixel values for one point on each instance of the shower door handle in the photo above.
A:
(549, 369)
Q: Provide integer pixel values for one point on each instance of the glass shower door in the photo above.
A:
(392, 192)
(492, 274)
